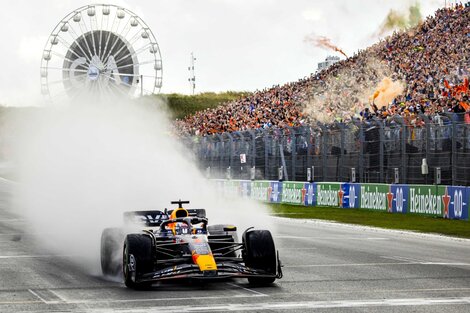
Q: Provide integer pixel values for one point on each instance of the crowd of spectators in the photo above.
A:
(432, 59)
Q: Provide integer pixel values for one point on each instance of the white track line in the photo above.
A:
(345, 237)
(248, 289)
(303, 305)
(38, 296)
(30, 256)
(377, 264)
(57, 295)
(95, 301)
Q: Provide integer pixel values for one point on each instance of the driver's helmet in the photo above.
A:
(181, 228)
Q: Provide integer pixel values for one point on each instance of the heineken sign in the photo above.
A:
(425, 200)
(328, 194)
(374, 197)
(440, 201)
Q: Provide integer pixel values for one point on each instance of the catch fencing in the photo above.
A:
(375, 151)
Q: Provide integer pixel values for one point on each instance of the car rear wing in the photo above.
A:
(149, 218)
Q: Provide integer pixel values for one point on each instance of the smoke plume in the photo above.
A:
(343, 94)
(324, 43)
(386, 91)
(397, 20)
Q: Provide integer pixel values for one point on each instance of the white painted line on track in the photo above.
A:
(387, 291)
(30, 256)
(297, 249)
(355, 238)
(377, 264)
(401, 258)
(248, 289)
(95, 301)
(302, 305)
(61, 298)
(10, 220)
(346, 264)
(38, 296)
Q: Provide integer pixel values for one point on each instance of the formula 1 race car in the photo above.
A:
(179, 244)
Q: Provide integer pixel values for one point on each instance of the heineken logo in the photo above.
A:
(372, 198)
(258, 192)
(327, 197)
(292, 194)
(424, 203)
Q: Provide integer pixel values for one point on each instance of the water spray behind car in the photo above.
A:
(81, 166)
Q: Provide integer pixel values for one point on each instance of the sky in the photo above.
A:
(239, 45)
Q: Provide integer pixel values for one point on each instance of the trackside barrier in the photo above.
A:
(450, 202)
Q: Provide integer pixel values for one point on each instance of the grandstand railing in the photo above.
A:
(374, 151)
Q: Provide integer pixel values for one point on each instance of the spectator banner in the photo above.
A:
(398, 199)
(426, 200)
(310, 196)
(293, 193)
(328, 194)
(374, 197)
(455, 202)
(259, 190)
(275, 192)
(350, 195)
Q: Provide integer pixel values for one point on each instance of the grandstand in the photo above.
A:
(330, 120)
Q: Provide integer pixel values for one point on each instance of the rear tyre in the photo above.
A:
(260, 254)
(111, 245)
(137, 260)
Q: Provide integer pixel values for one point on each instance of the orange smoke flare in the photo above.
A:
(324, 42)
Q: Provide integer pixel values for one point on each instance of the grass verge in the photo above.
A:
(417, 223)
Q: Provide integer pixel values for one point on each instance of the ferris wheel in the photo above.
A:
(101, 50)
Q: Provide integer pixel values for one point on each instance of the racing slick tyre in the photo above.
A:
(111, 245)
(259, 253)
(137, 260)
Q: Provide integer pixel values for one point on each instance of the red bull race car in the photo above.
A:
(179, 244)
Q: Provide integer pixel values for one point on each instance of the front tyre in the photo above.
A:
(260, 253)
(137, 260)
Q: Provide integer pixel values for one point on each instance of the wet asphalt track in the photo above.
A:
(328, 268)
